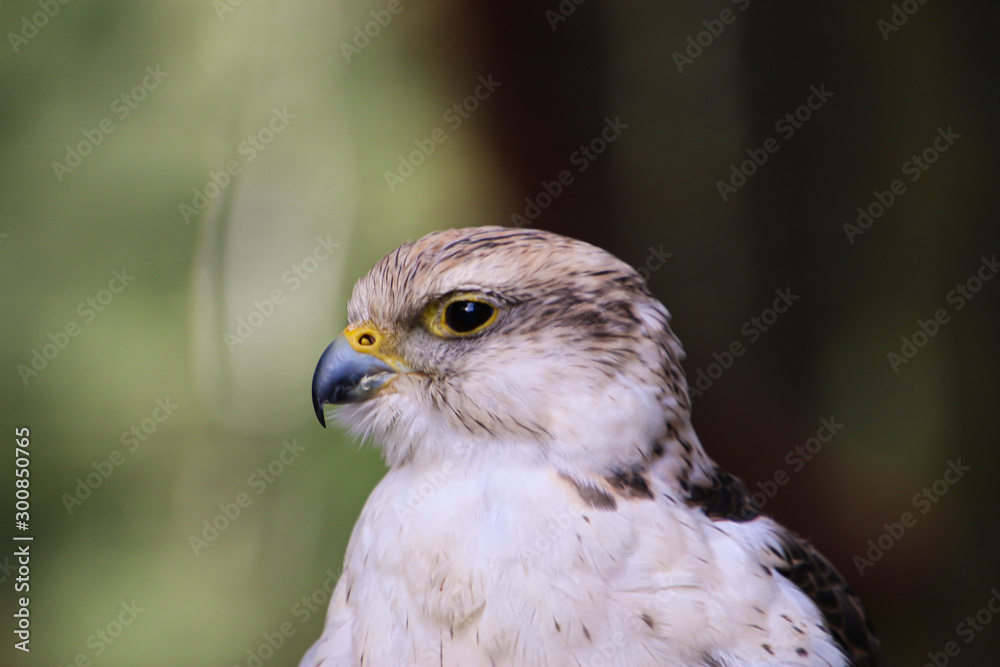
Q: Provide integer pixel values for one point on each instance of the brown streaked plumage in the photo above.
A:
(808, 569)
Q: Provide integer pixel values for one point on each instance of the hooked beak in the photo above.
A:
(351, 370)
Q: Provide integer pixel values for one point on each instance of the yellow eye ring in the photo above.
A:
(461, 314)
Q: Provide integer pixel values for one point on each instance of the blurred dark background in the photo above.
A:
(245, 162)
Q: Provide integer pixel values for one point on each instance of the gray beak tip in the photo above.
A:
(322, 381)
(344, 375)
(319, 413)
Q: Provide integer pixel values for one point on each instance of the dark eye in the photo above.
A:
(464, 317)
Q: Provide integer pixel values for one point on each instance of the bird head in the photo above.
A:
(492, 338)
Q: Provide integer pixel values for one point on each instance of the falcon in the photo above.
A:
(547, 501)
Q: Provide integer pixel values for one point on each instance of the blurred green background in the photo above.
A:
(240, 164)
